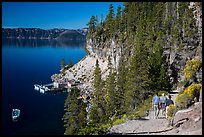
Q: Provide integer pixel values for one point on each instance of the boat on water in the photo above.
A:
(37, 87)
(46, 88)
(15, 114)
(42, 90)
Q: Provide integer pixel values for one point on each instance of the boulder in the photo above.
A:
(189, 119)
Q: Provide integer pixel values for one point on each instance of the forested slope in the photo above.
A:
(148, 47)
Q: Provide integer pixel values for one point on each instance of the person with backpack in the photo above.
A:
(155, 102)
(163, 103)
(168, 102)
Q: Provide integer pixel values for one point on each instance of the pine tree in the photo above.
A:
(110, 90)
(124, 16)
(97, 21)
(92, 24)
(62, 64)
(102, 20)
(189, 23)
(70, 64)
(118, 19)
(110, 21)
(132, 19)
(97, 78)
(120, 87)
(137, 76)
(157, 70)
(75, 113)
(94, 116)
(97, 113)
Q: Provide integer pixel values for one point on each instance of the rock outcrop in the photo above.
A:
(110, 49)
(176, 56)
(189, 120)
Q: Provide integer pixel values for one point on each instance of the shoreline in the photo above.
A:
(83, 72)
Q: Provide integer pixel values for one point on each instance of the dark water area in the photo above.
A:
(29, 62)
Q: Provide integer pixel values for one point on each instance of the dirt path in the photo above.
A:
(147, 125)
(143, 126)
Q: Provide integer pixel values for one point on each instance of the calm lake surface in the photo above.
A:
(29, 62)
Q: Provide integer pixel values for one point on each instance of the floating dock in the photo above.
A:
(47, 88)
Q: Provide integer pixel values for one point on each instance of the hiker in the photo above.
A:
(155, 102)
(168, 102)
(163, 103)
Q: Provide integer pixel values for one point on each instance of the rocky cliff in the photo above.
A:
(176, 55)
(101, 50)
(111, 49)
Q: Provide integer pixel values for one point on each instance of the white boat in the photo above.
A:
(46, 89)
(42, 90)
(36, 87)
(15, 114)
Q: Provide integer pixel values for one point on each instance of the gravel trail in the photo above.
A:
(147, 125)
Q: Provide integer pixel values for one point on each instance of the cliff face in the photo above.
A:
(176, 56)
(192, 49)
(105, 50)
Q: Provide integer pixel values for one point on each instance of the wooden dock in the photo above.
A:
(48, 85)
(48, 88)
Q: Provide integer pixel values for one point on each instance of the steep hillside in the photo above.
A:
(147, 48)
(176, 56)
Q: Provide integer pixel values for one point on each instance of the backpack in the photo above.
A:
(169, 102)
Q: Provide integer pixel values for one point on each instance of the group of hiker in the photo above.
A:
(161, 103)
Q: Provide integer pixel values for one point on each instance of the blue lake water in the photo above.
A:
(29, 62)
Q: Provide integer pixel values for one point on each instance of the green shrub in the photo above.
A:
(185, 99)
(92, 129)
(191, 67)
(118, 121)
(141, 109)
(134, 116)
(171, 111)
(193, 90)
